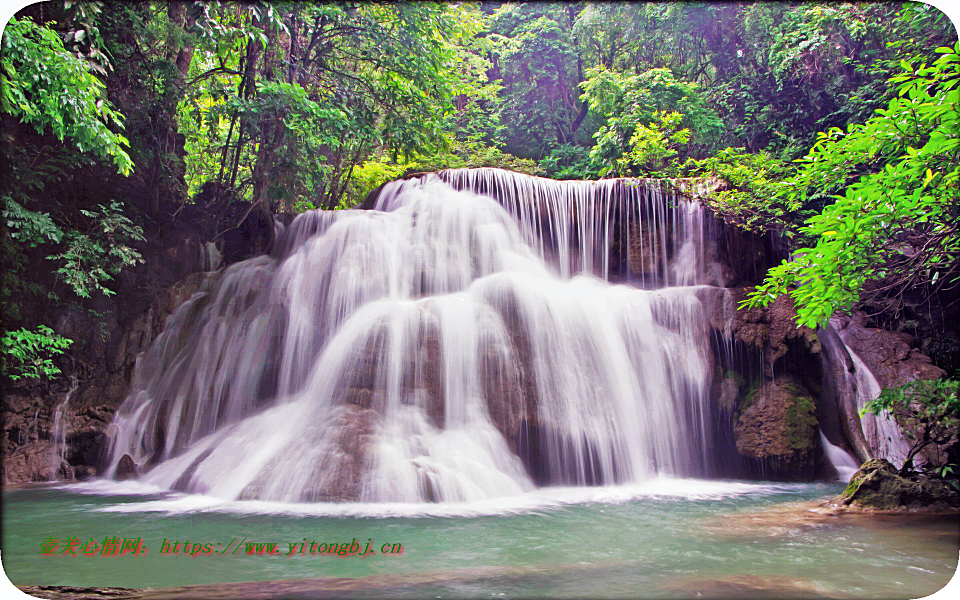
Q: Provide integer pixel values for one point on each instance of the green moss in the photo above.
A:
(801, 421)
(748, 399)
(855, 482)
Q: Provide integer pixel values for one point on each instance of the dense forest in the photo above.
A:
(833, 127)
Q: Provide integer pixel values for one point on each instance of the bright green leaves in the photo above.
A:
(897, 224)
(46, 86)
(651, 148)
(756, 196)
(650, 119)
(28, 354)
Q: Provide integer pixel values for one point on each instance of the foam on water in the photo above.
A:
(539, 500)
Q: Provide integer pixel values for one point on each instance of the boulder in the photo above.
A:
(776, 424)
(877, 486)
(771, 328)
(126, 469)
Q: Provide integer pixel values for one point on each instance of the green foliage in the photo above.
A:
(535, 56)
(29, 228)
(653, 146)
(374, 173)
(94, 255)
(930, 409)
(369, 176)
(476, 155)
(28, 354)
(649, 118)
(49, 88)
(898, 223)
(285, 100)
(569, 161)
(756, 196)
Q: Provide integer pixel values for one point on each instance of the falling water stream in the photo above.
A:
(59, 429)
(509, 376)
(881, 431)
(443, 346)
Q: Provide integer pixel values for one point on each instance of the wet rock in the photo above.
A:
(83, 472)
(776, 424)
(771, 328)
(253, 232)
(69, 592)
(729, 391)
(645, 250)
(838, 411)
(503, 389)
(126, 469)
(877, 486)
(887, 354)
(748, 254)
(349, 459)
(508, 379)
(35, 461)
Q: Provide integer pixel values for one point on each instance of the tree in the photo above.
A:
(54, 92)
(895, 227)
(930, 408)
(285, 100)
(650, 118)
(536, 57)
(46, 86)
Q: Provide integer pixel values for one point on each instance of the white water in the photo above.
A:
(536, 501)
(442, 347)
(881, 431)
(842, 462)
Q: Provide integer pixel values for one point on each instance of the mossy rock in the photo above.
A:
(878, 486)
(777, 425)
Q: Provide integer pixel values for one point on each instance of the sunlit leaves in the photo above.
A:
(900, 208)
(49, 88)
(28, 354)
(649, 118)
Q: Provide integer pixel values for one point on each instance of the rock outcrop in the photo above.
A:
(103, 383)
(888, 354)
(891, 361)
(877, 486)
(776, 424)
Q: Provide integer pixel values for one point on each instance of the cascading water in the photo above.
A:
(844, 464)
(59, 431)
(881, 431)
(441, 347)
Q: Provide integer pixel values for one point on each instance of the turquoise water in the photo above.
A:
(667, 538)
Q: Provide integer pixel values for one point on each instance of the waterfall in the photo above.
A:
(59, 430)
(881, 431)
(478, 333)
(842, 462)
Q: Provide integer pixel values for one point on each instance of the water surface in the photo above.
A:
(665, 538)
